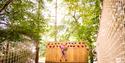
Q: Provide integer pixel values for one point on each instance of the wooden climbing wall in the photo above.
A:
(76, 52)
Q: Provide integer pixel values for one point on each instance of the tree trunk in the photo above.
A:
(110, 41)
(91, 55)
(37, 52)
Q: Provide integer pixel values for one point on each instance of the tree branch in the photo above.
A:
(74, 16)
(6, 4)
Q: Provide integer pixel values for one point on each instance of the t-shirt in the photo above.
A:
(63, 48)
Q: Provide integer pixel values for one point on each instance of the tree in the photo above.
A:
(88, 12)
(5, 5)
(22, 18)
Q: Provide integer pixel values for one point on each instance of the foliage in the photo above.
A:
(80, 23)
(85, 15)
(86, 20)
(24, 18)
(21, 19)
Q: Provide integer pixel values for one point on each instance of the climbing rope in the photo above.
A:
(56, 21)
(14, 54)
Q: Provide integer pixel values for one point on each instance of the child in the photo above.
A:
(63, 52)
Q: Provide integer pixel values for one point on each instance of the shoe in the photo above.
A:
(60, 60)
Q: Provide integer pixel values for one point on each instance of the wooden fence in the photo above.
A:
(15, 53)
(15, 57)
(76, 52)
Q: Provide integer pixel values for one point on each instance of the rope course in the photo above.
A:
(56, 21)
(18, 57)
(16, 54)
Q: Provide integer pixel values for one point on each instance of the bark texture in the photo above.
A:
(111, 36)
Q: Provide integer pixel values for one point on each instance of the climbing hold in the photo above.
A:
(82, 43)
(77, 45)
(53, 46)
(51, 43)
(70, 45)
(79, 42)
(58, 43)
(82, 46)
(87, 49)
(55, 43)
(50, 46)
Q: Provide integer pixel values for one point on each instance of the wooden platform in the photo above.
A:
(76, 53)
(66, 62)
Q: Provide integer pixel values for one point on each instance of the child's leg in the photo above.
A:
(65, 56)
(62, 56)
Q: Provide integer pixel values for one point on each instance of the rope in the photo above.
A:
(56, 21)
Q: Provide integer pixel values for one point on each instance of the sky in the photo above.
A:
(49, 12)
(61, 11)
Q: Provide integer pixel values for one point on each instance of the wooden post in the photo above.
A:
(37, 52)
